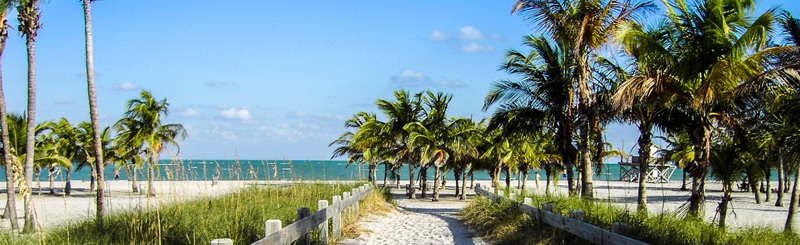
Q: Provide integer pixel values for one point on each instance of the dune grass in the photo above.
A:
(666, 228)
(503, 223)
(239, 215)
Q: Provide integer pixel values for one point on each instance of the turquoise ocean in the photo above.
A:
(181, 170)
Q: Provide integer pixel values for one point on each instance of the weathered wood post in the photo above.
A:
(303, 213)
(356, 192)
(577, 214)
(323, 228)
(221, 241)
(348, 210)
(547, 207)
(501, 193)
(337, 217)
(271, 226)
(620, 228)
(528, 201)
(512, 196)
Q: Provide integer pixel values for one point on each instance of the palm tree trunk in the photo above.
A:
(411, 190)
(787, 172)
(779, 201)
(789, 227)
(436, 184)
(702, 151)
(645, 141)
(766, 199)
(547, 180)
(723, 206)
(385, 174)
(397, 177)
(683, 186)
(463, 183)
(508, 177)
(52, 180)
(30, 220)
(36, 173)
(471, 180)
(134, 183)
(754, 187)
(444, 179)
(151, 191)
(524, 179)
(92, 180)
(496, 176)
(585, 159)
(423, 180)
(98, 149)
(457, 175)
(11, 204)
(68, 185)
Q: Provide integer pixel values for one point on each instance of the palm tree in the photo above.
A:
(87, 15)
(11, 205)
(678, 151)
(128, 148)
(67, 138)
(367, 147)
(86, 142)
(543, 97)
(728, 161)
(146, 112)
(435, 135)
(404, 110)
(28, 17)
(583, 26)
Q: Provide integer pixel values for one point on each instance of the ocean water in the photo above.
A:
(282, 170)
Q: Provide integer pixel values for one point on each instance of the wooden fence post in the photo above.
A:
(528, 201)
(356, 192)
(323, 228)
(337, 217)
(272, 226)
(512, 196)
(345, 196)
(501, 193)
(302, 213)
(221, 241)
(577, 214)
(547, 207)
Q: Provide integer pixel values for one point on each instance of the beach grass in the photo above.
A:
(664, 228)
(239, 215)
(501, 222)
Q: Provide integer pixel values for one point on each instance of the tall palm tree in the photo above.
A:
(28, 17)
(146, 112)
(542, 97)
(11, 205)
(721, 48)
(584, 26)
(87, 16)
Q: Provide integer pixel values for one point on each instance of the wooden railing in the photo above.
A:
(573, 224)
(298, 231)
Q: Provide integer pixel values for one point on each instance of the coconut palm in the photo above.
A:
(403, 110)
(146, 113)
(728, 161)
(366, 148)
(128, 148)
(86, 142)
(48, 156)
(11, 205)
(95, 123)
(584, 27)
(28, 17)
(542, 97)
(67, 137)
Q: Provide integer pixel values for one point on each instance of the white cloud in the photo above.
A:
(409, 77)
(474, 47)
(188, 112)
(65, 102)
(229, 135)
(470, 33)
(233, 113)
(124, 86)
(451, 83)
(437, 35)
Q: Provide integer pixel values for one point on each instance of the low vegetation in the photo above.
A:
(667, 228)
(239, 216)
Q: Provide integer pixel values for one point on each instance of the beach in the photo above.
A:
(55, 210)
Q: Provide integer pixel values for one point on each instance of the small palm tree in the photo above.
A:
(146, 113)
(403, 110)
(67, 138)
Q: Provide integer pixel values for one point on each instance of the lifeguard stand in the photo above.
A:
(629, 170)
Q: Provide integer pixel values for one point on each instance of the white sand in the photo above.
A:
(418, 221)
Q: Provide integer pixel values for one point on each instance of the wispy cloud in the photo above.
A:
(474, 47)
(438, 35)
(216, 84)
(411, 78)
(124, 86)
(65, 102)
(234, 113)
(470, 33)
(188, 112)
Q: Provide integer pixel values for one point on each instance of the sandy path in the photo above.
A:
(418, 221)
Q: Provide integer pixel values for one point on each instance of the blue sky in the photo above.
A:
(268, 79)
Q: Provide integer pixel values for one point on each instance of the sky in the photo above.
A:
(269, 79)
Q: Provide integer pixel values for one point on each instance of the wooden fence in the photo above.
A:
(298, 231)
(573, 224)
